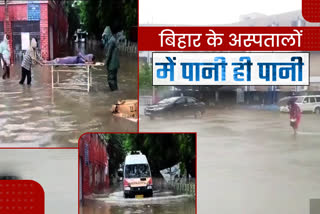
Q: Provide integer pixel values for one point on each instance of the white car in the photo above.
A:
(308, 103)
(137, 179)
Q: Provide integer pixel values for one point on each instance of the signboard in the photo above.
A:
(33, 11)
(236, 68)
(86, 154)
(25, 41)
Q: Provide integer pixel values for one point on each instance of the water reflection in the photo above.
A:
(174, 206)
(40, 116)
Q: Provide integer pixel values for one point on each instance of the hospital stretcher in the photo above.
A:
(57, 69)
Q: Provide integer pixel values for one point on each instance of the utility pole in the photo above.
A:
(7, 26)
(6, 13)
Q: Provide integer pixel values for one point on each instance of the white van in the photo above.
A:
(137, 180)
(308, 103)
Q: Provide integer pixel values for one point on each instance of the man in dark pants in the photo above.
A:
(5, 57)
(112, 58)
(31, 57)
(5, 67)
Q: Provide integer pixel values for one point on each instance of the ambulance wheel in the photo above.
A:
(149, 194)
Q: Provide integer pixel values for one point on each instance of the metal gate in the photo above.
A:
(1, 31)
(80, 180)
(31, 27)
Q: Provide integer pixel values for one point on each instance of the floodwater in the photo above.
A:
(248, 161)
(37, 115)
(56, 170)
(162, 202)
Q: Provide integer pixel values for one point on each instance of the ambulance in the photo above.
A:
(137, 180)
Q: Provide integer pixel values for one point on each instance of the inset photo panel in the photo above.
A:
(67, 67)
(122, 173)
(38, 181)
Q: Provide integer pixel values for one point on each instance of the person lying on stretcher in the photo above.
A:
(79, 59)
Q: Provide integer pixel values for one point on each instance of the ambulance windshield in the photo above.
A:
(137, 171)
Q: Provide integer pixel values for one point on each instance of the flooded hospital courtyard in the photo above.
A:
(162, 202)
(36, 115)
(249, 160)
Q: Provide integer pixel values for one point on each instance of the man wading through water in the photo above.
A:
(112, 58)
(5, 57)
(30, 58)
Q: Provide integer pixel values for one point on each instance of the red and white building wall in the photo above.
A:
(49, 25)
(93, 165)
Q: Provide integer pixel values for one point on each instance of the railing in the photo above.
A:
(18, 55)
(145, 100)
(182, 186)
(185, 188)
(128, 48)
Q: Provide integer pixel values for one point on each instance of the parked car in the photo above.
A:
(137, 180)
(308, 103)
(176, 106)
(9, 177)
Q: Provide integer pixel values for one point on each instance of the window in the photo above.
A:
(312, 100)
(137, 171)
(318, 99)
(306, 100)
(90, 175)
(191, 100)
(169, 100)
(181, 101)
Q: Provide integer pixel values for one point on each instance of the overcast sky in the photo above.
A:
(208, 12)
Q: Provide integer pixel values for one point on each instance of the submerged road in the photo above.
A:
(36, 115)
(249, 162)
(162, 202)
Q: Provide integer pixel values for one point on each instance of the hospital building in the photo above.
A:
(44, 20)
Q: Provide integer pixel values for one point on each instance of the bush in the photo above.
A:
(145, 76)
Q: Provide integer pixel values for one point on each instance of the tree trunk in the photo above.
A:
(6, 20)
(6, 12)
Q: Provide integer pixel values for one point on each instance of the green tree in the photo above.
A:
(116, 151)
(119, 15)
(73, 14)
(88, 16)
(130, 15)
(165, 150)
(162, 150)
(187, 154)
(145, 76)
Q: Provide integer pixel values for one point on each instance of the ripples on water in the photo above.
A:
(36, 115)
(161, 203)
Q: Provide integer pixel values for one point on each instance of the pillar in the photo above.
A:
(44, 31)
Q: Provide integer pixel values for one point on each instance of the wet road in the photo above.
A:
(40, 116)
(55, 169)
(248, 161)
(163, 202)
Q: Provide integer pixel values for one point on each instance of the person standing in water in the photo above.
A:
(112, 58)
(5, 57)
(30, 58)
(295, 114)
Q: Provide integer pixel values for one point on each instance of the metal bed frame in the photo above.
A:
(56, 69)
